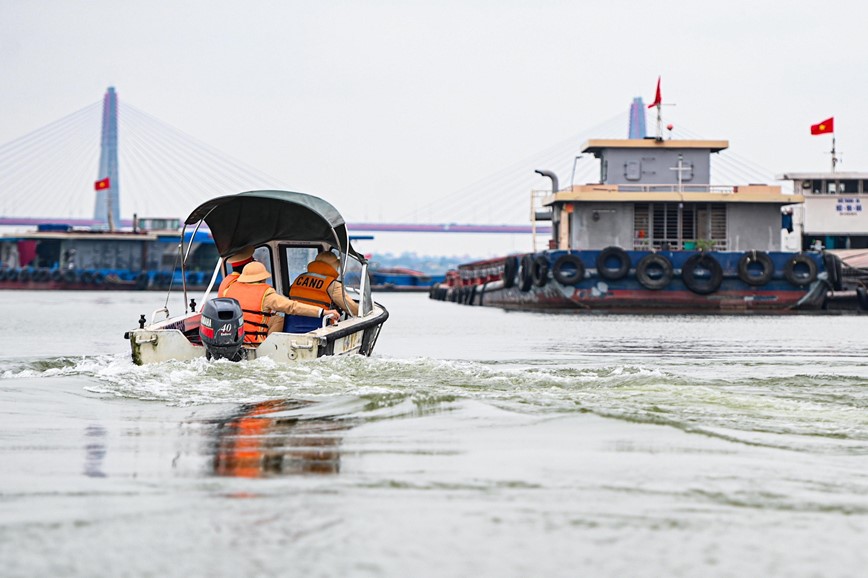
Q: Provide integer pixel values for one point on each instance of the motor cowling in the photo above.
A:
(222, 328)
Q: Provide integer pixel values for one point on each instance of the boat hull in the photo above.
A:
(178, 339)
(626, 294)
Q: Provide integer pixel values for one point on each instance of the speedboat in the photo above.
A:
(287, 230)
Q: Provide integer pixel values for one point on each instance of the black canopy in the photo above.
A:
(255, 217)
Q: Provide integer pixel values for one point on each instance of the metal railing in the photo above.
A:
(679, 245)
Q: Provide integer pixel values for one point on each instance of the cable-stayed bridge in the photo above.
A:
(72, 172)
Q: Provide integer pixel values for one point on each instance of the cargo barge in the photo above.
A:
(655, 236)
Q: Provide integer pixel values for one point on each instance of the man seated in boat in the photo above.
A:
(319, 286)
(260, 303)
(237, 261)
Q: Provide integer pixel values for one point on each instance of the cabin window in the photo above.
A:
(816, 187)
(297, 259)
(668, 226)
(262, 255)
(845, 187)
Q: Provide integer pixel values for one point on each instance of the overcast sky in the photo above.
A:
(385, 106)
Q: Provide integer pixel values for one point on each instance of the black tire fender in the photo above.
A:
(862, 298)
(652, 261)
(702, 286)
(142, 280)
(792, 274)
(756, 257)
(525, 273)
(568, 269)
(510, 268)
(613, 273)
(835, 270)
(540, 271)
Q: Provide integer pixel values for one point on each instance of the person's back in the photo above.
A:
(250, 292)
(319, 286)
(259, 302)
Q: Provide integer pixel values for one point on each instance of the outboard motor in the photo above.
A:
(222, 328)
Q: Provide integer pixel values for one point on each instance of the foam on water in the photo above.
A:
(763, 406)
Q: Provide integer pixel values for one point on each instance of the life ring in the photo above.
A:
(540, 271)
(862, 297)
(70, 276)
(834, 270)
(25, 275)
(525, 273)
(568, 269)
(747, 265)
(795, 270)
(510, 268)
(702, 285)
(654, 271)
(613, 273)
(98, 279)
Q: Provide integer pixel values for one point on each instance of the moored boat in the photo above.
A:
(287, 230)
(58, 256)
(402, 279)
(654, 235)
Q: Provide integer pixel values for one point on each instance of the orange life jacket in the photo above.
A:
(251, 297)
(312, 287)
(227, 281)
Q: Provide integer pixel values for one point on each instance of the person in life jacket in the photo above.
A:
(319, 286)
(238, 261)
(259, 303)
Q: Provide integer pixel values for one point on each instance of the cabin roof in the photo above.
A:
(255, 217)
(827, 176)
(595, 146)
(757, 194)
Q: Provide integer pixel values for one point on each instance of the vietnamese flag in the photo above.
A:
(657, 99)
(827, 125)
(102, 184)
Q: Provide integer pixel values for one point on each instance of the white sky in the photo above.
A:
(385, 106)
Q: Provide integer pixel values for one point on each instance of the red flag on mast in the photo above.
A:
(827, 125)
(657, 99)
(102, 184)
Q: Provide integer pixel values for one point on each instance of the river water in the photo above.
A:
(474, 442)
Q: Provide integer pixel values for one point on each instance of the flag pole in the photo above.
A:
(834, 156)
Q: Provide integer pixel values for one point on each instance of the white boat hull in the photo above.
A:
(175, 339)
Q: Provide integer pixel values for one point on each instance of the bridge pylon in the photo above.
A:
(108, 207)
